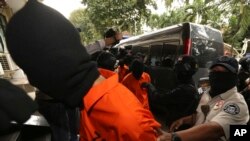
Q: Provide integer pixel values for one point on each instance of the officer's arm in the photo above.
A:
(99, 45)
(204, 132)
(95, 47)
(189, 120)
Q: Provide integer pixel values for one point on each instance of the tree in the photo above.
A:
(231, 17)
(124, 14)
(166, 19)
(239, 22)
(203, 12)
(81, 20)
(199, 11)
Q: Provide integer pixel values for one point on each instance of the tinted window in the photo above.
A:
(171, 50)
(207, 44)
(155, 54)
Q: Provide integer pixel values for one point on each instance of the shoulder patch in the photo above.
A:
(232, 109)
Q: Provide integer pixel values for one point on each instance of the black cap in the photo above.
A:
(110, 32)
(229, 63)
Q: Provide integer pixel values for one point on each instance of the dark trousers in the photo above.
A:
(56, 115)
(73, 115)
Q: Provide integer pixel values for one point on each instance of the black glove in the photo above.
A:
(15, 104)
(145, 85)
(150, 87)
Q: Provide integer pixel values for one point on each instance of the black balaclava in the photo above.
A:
(221, 82)
(106, 60)
(48, 49)
(185, 68)
(137, 68)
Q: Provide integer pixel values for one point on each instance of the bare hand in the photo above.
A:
(165, 137)
(175, 125)
(118, 36)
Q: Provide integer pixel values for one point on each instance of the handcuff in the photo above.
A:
(175, 137)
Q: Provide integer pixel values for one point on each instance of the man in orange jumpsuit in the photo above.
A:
(134, 79)
(54, 60)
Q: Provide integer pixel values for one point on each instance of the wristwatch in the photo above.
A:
(175, 137)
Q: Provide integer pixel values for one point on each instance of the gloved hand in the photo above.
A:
(15, 104)
(145, 85)
(150, 87)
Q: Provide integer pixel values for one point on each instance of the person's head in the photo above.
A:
(167, 62)
(185, 68)
(112, 33)
(106, 60)
(245, 64)
(137, 68)
(48, 48)
(139, 56)
(128, 59)
(223, 75)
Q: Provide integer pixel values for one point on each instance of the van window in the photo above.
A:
(155, 54)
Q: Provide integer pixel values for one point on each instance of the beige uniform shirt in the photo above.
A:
(226, 109)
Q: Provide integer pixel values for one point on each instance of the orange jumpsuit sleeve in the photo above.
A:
(135, 87)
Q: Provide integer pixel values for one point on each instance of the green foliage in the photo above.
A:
(124, 14)
(166, 19)
(229, 16)
(88, 33)
(239, 23)
(168, 3)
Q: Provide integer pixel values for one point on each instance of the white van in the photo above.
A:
(8, 69)
(202, 42)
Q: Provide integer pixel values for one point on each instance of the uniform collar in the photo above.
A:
(99, 90)
(228, 93)
(224, 95)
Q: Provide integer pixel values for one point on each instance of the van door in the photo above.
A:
(162, 57)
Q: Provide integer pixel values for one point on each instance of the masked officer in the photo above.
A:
(220, 107)
(180, 101)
